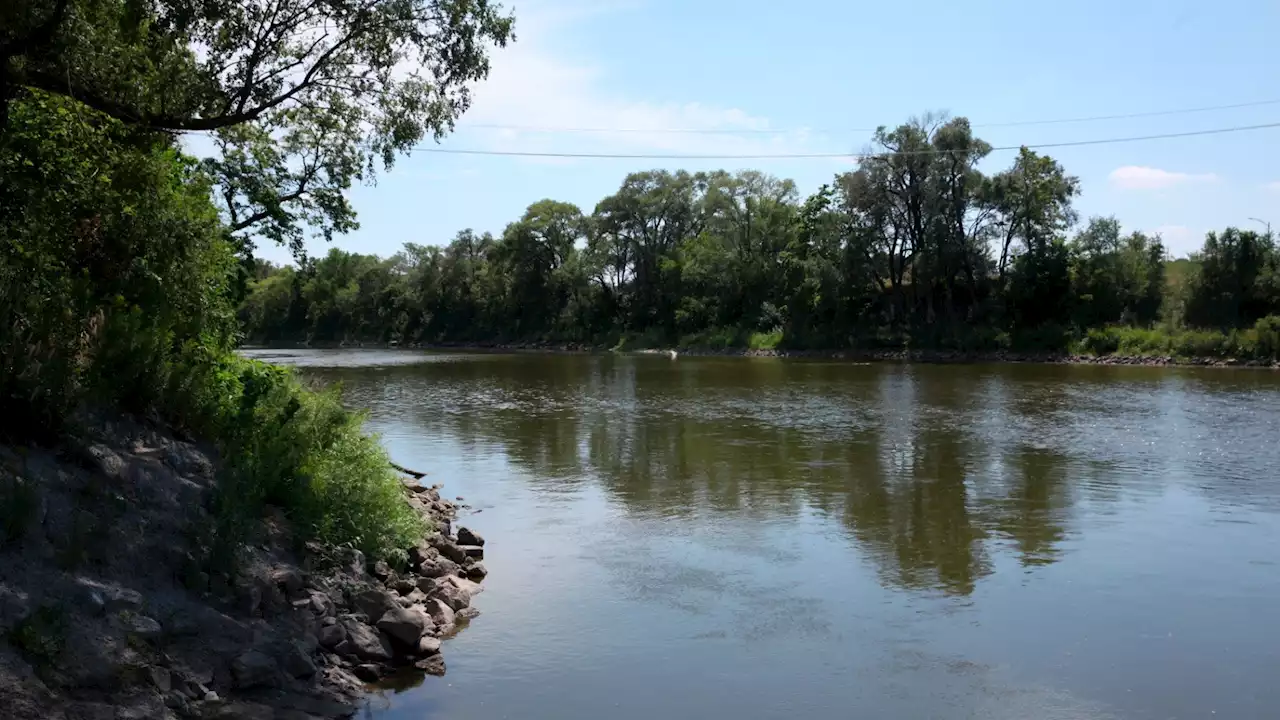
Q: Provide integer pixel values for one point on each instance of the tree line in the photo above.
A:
(915, 248)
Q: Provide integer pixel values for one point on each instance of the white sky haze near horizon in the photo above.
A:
(812, 67)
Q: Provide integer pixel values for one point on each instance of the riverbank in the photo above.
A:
(917, 356)
(106, 610)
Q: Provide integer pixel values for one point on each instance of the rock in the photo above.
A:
(404, 586)
(438, 567)
(368, 672)
(477, 571)
(140, 626)
(330, 635)
(297, 662)
(468, 613)
(428, 645)
(421, 554)
(160, 678)
(451, 595)
(351, 560)
(321, 604)
(289, 579)
(120, 599)
(449, 549)
(176, 701)
(473, 588)
(105, 460)
(472, 551)
(467, 536)
(433, 665)
(441, 612)
(253, 668)
(364, 642)
(405, 625)
(374, 603)
(329, 620)
(381, 570)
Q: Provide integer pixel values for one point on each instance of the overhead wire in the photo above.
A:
(833, 155)
(830, 131)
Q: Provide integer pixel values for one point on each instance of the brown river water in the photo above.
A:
(764, 538)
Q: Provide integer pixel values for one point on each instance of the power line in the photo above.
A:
(815, 156)
(784, 131)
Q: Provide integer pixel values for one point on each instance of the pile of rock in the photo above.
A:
(378, 623)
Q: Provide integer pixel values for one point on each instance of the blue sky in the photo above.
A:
(821, 70)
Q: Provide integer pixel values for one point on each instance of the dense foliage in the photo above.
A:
(119, 274)
(915, 248)
(301, 98)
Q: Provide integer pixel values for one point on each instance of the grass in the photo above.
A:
(1260, 342)
(290, 446)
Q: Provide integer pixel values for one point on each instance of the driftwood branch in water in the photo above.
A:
(407, 471)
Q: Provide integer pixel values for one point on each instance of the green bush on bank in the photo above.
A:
(300, 449)
(1260, 342)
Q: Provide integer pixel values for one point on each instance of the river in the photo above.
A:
(764, 538)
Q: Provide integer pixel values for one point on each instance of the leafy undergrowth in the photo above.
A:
(1260, 342)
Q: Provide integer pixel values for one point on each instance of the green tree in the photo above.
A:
(303, 98)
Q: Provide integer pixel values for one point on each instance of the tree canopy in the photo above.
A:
(301, 97)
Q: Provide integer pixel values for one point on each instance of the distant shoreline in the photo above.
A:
(931, 357)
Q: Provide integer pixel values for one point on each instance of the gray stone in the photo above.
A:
(367, 672)
(351, 560)
(472, 551)
(428, 645)
(433, 665)
(321, 604)
(288, 578)
(253, 668)
(374, 603)
(105, 460)
(467, 536)
(477, 571)
(176, 701)
(297, 662)
(330, 635)
(140, 626)
(405, 625)
(467, 614)
(449, 549)
(421, 554)
(160, 678)
(440, 567)
(441, 612)
(450, 594)
(363, 642)
(119, 599)
(329, 620)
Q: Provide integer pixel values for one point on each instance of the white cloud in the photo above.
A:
(1272, 187)
(534, 85)
(1137, 177)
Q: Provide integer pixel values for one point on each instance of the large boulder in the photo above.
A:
(253, 668)
(363, 642)
(405, 625)
(450, 594)
(330, 635)
(467, 536)
(449, 549)
(374, 603)
(441, 612)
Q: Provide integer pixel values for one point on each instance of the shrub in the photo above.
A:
(1267, 338)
